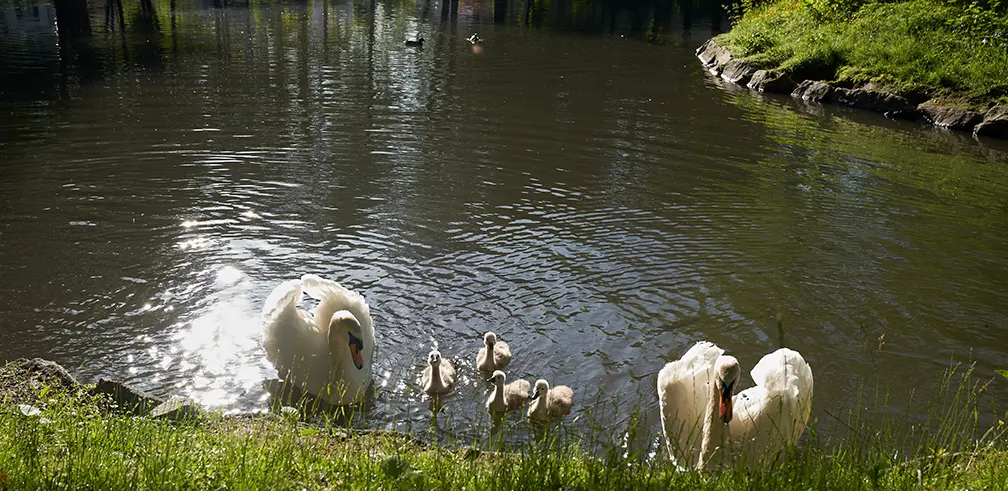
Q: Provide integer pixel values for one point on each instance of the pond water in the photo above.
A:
(597, 200)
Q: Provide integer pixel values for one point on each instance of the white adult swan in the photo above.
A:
(328, 352)
(703, 422)
(500, 354)
(439, 375)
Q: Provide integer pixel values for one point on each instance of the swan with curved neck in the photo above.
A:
(706, 421)
(719, 407)
(328, 351)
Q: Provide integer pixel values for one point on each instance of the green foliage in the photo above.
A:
(832, 9)
(934, 47)
(74, 443)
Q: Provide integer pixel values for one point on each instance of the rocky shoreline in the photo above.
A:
(991, 122)
(24, 379)
(27, 383)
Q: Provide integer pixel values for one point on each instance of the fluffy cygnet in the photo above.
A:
(507, 397)
(501, 354)
(550, 403)
(438, 376)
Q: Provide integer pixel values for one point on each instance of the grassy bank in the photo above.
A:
(944, 49)
(75, 443)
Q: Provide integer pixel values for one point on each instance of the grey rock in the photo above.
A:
(767, 81)
(738, 72)
(127, 397)
(951, 117)
(887, 103)
(813, 90)
(49, 369)
(714, 56)
(178, 408)
(994, 124)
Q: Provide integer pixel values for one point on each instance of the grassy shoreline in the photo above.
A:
(76, 441)
(954, 53)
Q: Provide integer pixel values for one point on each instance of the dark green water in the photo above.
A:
(597, 200)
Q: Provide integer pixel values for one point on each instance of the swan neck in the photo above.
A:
(539, 406)
(709, 427)
(436, 375)
(499, 393)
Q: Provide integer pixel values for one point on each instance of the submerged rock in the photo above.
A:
(127, 397)
(767, 81)
(813, 90)
(954, 118)
(995, 123)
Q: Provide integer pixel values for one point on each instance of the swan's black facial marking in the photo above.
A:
(725, 396)
(356, 346)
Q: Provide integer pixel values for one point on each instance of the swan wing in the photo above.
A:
(684, 389)
(334, 297)
(772, 415)
(291, 338)
(345, 384)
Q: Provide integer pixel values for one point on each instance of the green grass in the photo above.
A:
(924, 47)
(76, 444)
